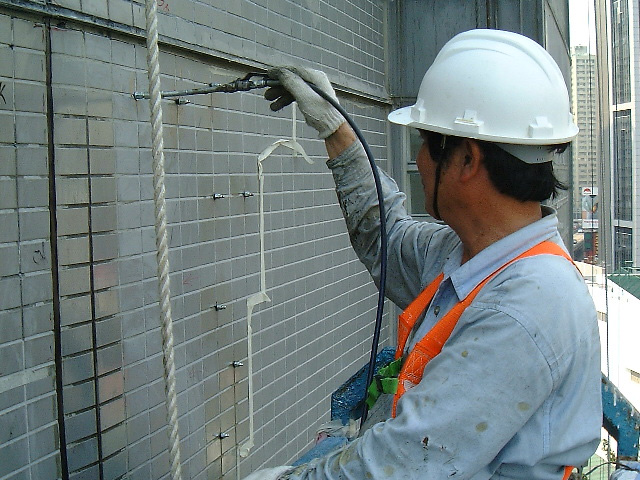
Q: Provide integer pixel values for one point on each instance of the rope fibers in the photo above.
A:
(162, 245)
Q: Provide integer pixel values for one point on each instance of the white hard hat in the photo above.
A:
(496, 86)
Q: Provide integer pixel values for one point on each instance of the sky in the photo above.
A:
(581, 16)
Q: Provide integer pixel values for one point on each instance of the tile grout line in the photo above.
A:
(55, 276)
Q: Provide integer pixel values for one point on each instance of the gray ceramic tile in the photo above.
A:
(79, 396)
(82, 454)
(80, 425)
(14, 455)
(76, 369)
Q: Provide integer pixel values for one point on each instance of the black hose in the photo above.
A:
(267, 82)
(247, 83)
(383, 245)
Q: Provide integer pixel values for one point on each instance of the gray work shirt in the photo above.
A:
(515, 392)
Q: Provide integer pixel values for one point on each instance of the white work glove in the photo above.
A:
(270, 473)
(623, 474)
(318, 113)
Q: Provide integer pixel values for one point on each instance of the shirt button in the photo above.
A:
(436, 310)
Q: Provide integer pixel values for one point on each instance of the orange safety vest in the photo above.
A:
(431, 344)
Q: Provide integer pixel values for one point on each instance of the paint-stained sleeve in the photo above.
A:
(469, 405)
(416, 250)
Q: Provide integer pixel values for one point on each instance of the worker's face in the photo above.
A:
(427, 169)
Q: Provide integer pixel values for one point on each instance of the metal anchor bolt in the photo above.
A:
(219, 306)
(182, 101)
(237, 364)
(222, 436)
(218, 196)
(246, 194)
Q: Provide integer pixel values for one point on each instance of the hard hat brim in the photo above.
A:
(402, 116)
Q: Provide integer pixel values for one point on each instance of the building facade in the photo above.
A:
(618, 37)
(81, 382)
(586, 164)
(82, 391)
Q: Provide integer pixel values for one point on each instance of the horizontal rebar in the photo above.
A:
(239, 85)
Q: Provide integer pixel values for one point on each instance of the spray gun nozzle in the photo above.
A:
(256, 80)
(251, 81)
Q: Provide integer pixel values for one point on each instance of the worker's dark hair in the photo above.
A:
(510, 175)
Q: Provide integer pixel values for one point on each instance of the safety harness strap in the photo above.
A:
(567, 472)
(407, 319)
(431, 344)
(385, 381)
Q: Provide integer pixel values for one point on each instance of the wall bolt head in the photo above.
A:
(237, 364)
(219, 306)
(222, 436)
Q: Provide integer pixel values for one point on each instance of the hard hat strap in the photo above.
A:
(436, 213)
(441, 160)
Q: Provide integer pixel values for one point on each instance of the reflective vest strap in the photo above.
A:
(407, 319)
(546, 247)
(431, 344)
(567, 472)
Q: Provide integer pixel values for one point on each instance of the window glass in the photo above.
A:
(621, 52)
(623, 166)
(416, 194)
(415, 142)
(623, 242)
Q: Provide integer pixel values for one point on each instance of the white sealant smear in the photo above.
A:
(25, 377)
(261, 296)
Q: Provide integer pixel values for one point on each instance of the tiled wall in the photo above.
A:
(312, 336)
(28, 426)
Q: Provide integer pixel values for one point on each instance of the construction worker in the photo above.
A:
(498, 346)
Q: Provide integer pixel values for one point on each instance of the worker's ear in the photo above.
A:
(471, 159)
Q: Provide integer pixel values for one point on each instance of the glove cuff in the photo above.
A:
(274, 473)
(330, 120)
(283, 472)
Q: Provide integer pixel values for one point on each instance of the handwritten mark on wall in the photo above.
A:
(40, 255)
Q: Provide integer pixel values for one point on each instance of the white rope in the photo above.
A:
(162, 245)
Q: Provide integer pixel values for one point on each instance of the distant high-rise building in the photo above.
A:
(618, 36)
(584, 93)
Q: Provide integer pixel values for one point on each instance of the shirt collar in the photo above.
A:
(465, 278)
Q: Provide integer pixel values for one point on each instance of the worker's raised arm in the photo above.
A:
(339, 140)
(411, 244)
(416, 250)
